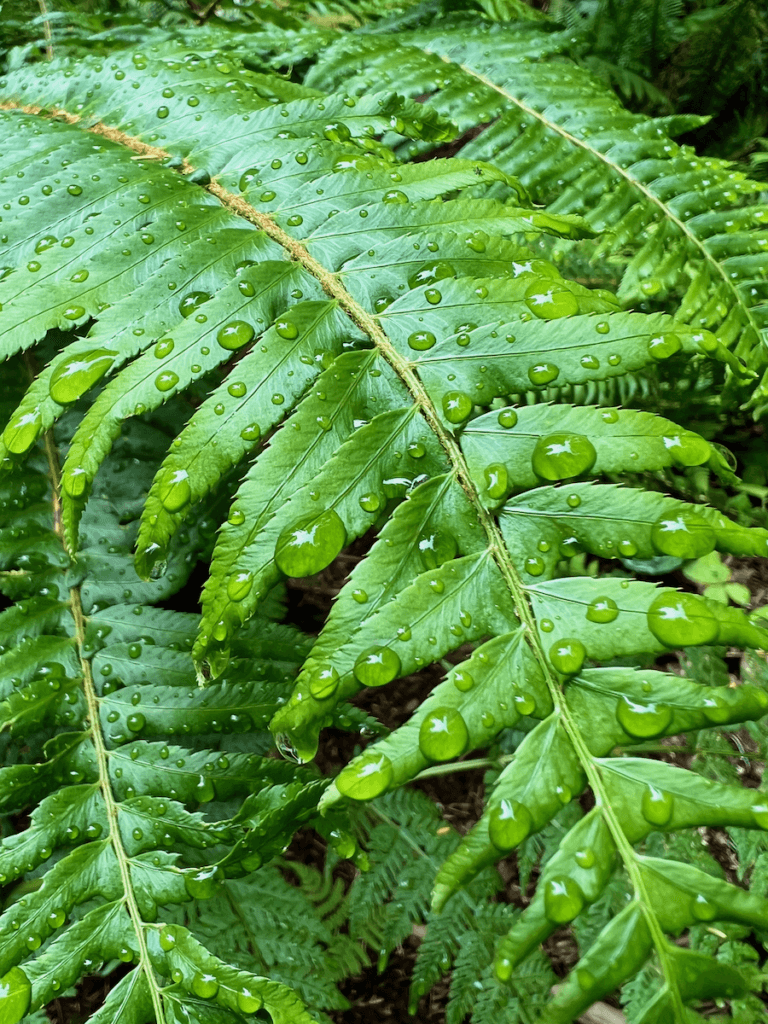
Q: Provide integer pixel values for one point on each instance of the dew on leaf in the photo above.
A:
(463, 680)
(543, 373)
(508, 824)
(377, 666)
(585, 858)
(366, 777)
(203, 883)
(433, 296)
(394, 195)
(239, 586)
(602, 609)
(681, 620)
(662, 346)
(204, 985)
(687, 535)
(496, 481)
(563, 899)
(286, 329)
(443, 734)
(74, 375)
(703, 909)
(436, 547)
(323, 682)
(234, 335)
(550, 303)
(457, 405)
(562, 456)
(192, 302)
(507, 418)
(309, 545)
(421, 341)
(656, 806)
(175, 491)
(248, 1001)
(688, 449)
(643, 720)
(166, 380)
(567, 656)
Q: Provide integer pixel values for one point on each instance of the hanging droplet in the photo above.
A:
(508, 824)
(175, 491)
(443, 734)
(567, 656)
(311, 544)
(562, 456)
(239, 586)
(377, 666)
(366, 777)
(74, 375)
(681, 620)
(248, 1001)
(688, 449)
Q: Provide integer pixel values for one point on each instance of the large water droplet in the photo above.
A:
(311, 544)
(203, 883)
(662, 346)
(496, 481)
(421, 341)
(248, 1001)
(567, 656)
(192, 302)
(234, 335)
(681, 620)
(543, 373)
(205, 985)
(15, 994)
(550, 303)
(687, 448)
(377, 666)
(457, 405)
(563, 900)
(685, 536)
(643, 720)
(366, 777)
(239, 586)
(443, 734)
(656, 806)
(509, 824)
(175, 491)
(74, 375)
(323, 682)
(436, 547)
(563, 456)
(602, 609)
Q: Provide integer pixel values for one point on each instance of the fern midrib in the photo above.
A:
(617, 169)
(92, 705)
(498, 550)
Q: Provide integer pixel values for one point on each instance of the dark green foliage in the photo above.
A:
(244, 328)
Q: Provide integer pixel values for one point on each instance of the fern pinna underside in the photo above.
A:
(347, 328)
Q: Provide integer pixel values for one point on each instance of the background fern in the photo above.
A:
(246, 323)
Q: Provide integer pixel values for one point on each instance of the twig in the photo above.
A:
(46, 30)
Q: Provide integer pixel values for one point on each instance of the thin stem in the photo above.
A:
(46, 30)
(464, 766)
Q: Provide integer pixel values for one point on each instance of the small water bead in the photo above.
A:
(135, 722)
(563, 900)
(433, 296)
(543, 373)
(457, 406)
(74, 375)
(323, 682)
(175, 491)
(381, 303)
(463, 680)
(525, 703)
(487, 720)
(421, 341)
(614, 359)
(590, 362)
(404, 634)
(602, 609)
(760, 815)
(416, 450)
(73, 312)
(74, 190)
(439, 270)
(687, 535)
(234, 335)
(496, 481)
(236, 517)
(56, 918)
(507, 418)
(656, 806)
(204, 985)
(436, 547)
(248, 1001)
(278, 399)
(46, 242)
(377, 666)
(567, 656)
(443, 734)
(463, 340)
(509, 824)
(585, 858)
(643, 720)
(359, 595)
(702, 909)
(436, 586)
(309, 545)
(239, 586)
(192, 302)
(550, 303)
(369, 502)
(603, 327)
(246, 288)
(662, 346)
(627, 548)
(610, 416)
(394, 195)
(166, 380)
(294, 220)
(681, 620)
(366, 777)
(534, 565)
(238, 389)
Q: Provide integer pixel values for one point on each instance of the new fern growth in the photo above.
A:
(236, 302)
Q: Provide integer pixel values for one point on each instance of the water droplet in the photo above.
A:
(164, 348)
(509, 824)
(175, 491)
(462, 680)
(550, 303)
(377, 666)
(562, 456)
(166, 380)
(248, 1001)
(702, 909)
(534, 566)
(681, 620)
(507, 418)
(239, 586)
(602, 609)
(436, 547)
(456, 406)
(359, 595)
(420, 341)
(74, 190)
(394, 195)
(236, 517)
(688, 449)
(573, 500)
(643, 720)
(56, 918)
(161, 112)
(567, 656)
(46, 242)
(366, 777)
(167, 939)
(443, 734)
(234, 335)
(251, 432)
(286, 329)
(433, 296)
(662, 346)
(603, 327)
(585, 858)
(685, 536)
(323, 682)
(74, 375)
(563, 900)
(438, 270)
(135, 722)
(496, 481)
(543, 373)
(656, 806)
(204, 985)
(337, 131)
(627, 548)
(192, 302)
(590, 362)
(311, 544)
